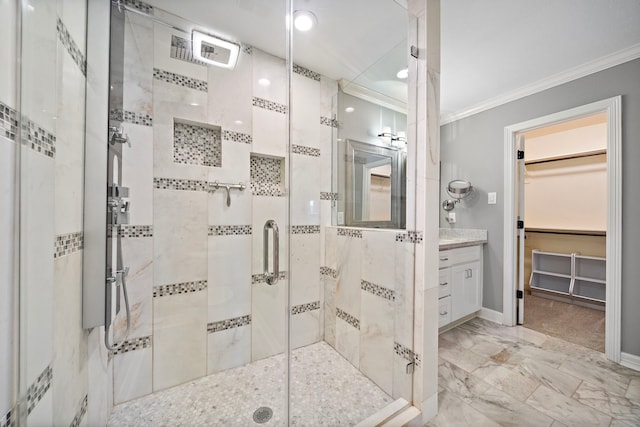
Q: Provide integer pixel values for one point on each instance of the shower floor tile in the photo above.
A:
(326, 390)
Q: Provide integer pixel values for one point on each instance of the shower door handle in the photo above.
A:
(271, 278)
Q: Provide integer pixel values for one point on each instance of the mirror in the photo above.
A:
(375, 185)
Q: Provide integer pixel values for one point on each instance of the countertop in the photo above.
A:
(451, 238)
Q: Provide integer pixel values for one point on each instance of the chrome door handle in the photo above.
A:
(271, 278)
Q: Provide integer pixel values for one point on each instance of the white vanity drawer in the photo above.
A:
(444, 283)
(444, 311)
(460, 255)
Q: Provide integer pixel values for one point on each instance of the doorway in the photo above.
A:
(514, 243)
(564, 200)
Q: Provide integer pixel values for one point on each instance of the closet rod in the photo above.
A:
(567, 157)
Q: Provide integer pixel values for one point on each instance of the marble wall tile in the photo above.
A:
(305, 190)
(305, 115)
(349, 256)
(269, 131)
(268, 319)
(73, 14)
(348, 342)
(565, 409)
(69, 171)
(69, 339)
(180, 236)
(37, 280)
(137, 172)
(42, 413)
(305, 328)
(132, 375)
(404, 303)
(305, 268)
(8, 55)
(235, 169)
(100, 387)
(171, 102)
(376, 340)
(137, 93)
(228, 349)
(377, 247)
(229, 277)
(231, 95)
(328, 93)
(402, 381)
(39, 100)
(266, 66)
(179, 339)
(137, 253)
(7, 152)
(331, 247)
(329, 310)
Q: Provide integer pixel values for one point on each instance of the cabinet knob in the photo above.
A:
(444, 259)
(444, 284)
(444, 313)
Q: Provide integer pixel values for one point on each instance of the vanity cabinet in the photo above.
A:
(460, 283)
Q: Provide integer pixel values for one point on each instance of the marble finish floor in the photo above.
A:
(326, 390)
(579, 325)
(493, 375)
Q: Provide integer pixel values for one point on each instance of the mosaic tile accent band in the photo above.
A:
(404, 352)
(197, 145)
(328, 121)
(230, 230)
(10, 419)
(306, 151)
(328, 271)
(243, 138)
(38, 139)
(410, 237)
(180, 184)
(270, 105)
(305, 72)
(131, 117)
(131, 231)
(139, 5)
(259, 278)
(348, 232)
(67, 244)
(418, 360)
(348, 318)
(305, 229)
(224, 325)
(71, 46)
(37, 390)
(182, 49)
(81, 412)
(378, 290)
(328, 196)
(180, 80)
(179, 288)
(8, 122)
(303, 308)
(133, 344)
(266, 176)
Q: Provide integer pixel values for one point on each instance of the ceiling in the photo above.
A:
(489, 48)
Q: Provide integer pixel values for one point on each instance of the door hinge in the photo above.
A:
(520, 224)
(520, 154)
(519, 294)
(414, 51)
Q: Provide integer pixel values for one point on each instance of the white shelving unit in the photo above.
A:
(582, 279)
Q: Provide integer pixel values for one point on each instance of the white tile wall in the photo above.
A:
(132, 374)
(138, 64)
(268, 319)
(305, 268)
(228, 349)
(376, 340)
(101, 385)
(8, 55)
(305, 115)
(305, 190)
(137, 172)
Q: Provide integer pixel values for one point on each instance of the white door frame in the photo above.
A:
(613, 109)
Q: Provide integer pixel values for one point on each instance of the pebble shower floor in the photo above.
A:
(326, 390)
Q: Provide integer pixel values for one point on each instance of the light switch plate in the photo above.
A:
(492, 197)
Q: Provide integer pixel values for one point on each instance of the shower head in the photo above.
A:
(214, 51)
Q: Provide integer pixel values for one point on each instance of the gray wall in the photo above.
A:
(472, 148)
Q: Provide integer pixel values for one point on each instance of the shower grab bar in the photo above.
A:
(271, 278)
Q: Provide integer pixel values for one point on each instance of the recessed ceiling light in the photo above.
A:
(403, 74)
(238, 122)
(304, 20)
(264, 82)
(349, 109)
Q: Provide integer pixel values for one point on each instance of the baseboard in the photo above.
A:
(630, 361)
(490, 315)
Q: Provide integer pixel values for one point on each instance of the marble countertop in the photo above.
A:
(451, 238)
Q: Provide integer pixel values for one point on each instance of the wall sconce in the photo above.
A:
(386, 133)
(400, 139)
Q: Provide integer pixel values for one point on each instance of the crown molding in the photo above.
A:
(372, 96)
(602, 63)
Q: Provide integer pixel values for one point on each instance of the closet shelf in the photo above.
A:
(548, 273)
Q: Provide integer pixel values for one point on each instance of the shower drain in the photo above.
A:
(262, 415)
